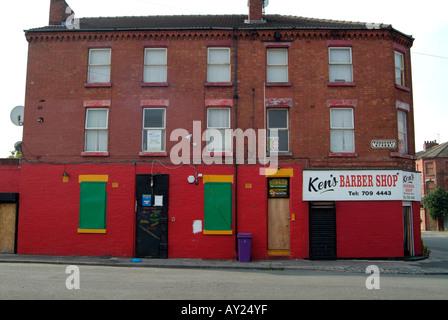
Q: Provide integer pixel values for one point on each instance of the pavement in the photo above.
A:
(435, 264)
(413, 265)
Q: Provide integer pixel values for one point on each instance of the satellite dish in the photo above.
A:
(17, 115)
(18, 146)
(265, 3)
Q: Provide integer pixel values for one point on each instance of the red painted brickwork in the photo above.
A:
(9, 176)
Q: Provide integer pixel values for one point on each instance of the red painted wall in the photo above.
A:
(9, 176)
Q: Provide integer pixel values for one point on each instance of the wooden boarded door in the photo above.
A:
(278, 217)
(152, 216)
(7, 227)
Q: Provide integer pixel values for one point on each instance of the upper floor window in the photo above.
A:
(218, 65)
(277, 65)
(429, 168)
(402, 132)
(96, 130)
(155, 69)
(154, 128)
(399, 69)
(219, 138)
(341, 67)
(278, 130)
(342, 130)
(99, 66)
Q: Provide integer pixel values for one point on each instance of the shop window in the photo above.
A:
(277, 65)
(96, 130)
(342, 130)
(92, 207)
(99, 66)
(217, 208)
(341, 68)
(218, 65)
(154, 128)
(278, 130)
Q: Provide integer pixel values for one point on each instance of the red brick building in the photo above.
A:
(110, 103)
(432, 162)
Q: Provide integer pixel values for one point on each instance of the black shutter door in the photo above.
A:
(322, 233)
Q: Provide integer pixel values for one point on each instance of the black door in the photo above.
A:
(322, 232)
(152, 216)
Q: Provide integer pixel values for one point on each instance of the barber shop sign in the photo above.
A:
(361, 185)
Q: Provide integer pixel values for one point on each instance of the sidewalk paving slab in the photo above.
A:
(416, 265)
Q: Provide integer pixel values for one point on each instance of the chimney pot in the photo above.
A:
(255, 11)
(58, 12)
(429, 144)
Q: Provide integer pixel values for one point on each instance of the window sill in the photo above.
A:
(341, 84)
(92, 231)
(94, 154)
(218, 232)
(278, 84)
(155, 84)
(342, 154)
(98, 85)
(402, 88)
(402, 155)
(153, 154)
(219, 84)
(279, 154)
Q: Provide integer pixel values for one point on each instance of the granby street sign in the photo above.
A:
(361, 185)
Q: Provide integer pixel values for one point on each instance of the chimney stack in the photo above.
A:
(58, 12)
(255, 11)
(429, 144)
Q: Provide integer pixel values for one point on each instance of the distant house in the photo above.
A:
(433, 163)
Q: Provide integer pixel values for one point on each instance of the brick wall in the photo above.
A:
(62, 64)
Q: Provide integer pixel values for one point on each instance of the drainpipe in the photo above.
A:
(235, 98)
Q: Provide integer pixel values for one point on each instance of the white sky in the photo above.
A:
(426, 21)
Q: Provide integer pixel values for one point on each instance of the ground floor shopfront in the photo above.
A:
(157, 210)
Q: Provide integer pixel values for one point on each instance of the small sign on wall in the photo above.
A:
(383, 144)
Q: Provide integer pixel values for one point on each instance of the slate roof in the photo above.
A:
(439, 151)
(195, 22)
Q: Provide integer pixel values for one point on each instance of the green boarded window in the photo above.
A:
(92, 207)
(217, 208)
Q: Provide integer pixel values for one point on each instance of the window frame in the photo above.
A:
(90, 65)
(227, 134)
(218, 224)
(277, 66)
(146, 129)
(287, 129)
(400, 69)
(92, 207)
(147, 66)
(334, 129)
(211, 65)
(349, 64)
(90, 129)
